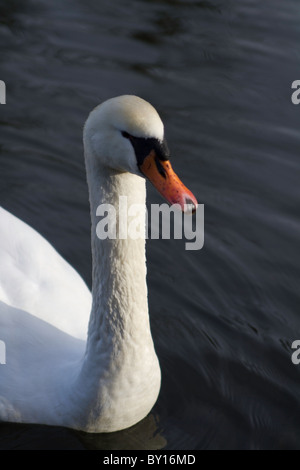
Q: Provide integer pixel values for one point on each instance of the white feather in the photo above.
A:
(53, 375)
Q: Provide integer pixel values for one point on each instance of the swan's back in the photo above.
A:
(35, 278)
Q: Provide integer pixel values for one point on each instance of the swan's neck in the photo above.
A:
(120, 376)
(119, 322)
(119, 380)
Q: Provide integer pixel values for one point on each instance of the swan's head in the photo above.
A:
(126, 134)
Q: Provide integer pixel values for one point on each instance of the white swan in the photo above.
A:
(52, 375)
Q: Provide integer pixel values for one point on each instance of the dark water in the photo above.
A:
(223, 318)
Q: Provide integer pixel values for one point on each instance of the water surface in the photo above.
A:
(223, 318)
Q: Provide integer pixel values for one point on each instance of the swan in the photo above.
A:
(78, 359)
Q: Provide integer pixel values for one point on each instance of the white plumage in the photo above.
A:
(35, 278)
(53, 375)
(75, 359)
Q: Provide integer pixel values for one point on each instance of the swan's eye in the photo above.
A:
(126, 135)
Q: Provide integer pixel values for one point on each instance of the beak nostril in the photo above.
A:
(160, 168)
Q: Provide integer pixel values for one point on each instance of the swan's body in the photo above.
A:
(35, 278)
(52, 374)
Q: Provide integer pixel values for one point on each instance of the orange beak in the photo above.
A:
(162, 176)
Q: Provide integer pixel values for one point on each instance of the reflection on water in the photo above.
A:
(142, 436)
(220, 74)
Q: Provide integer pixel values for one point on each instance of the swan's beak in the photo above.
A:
(162, 176)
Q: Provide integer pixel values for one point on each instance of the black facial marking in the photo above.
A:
(126, 135)
(160, 168)
(143, 147)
